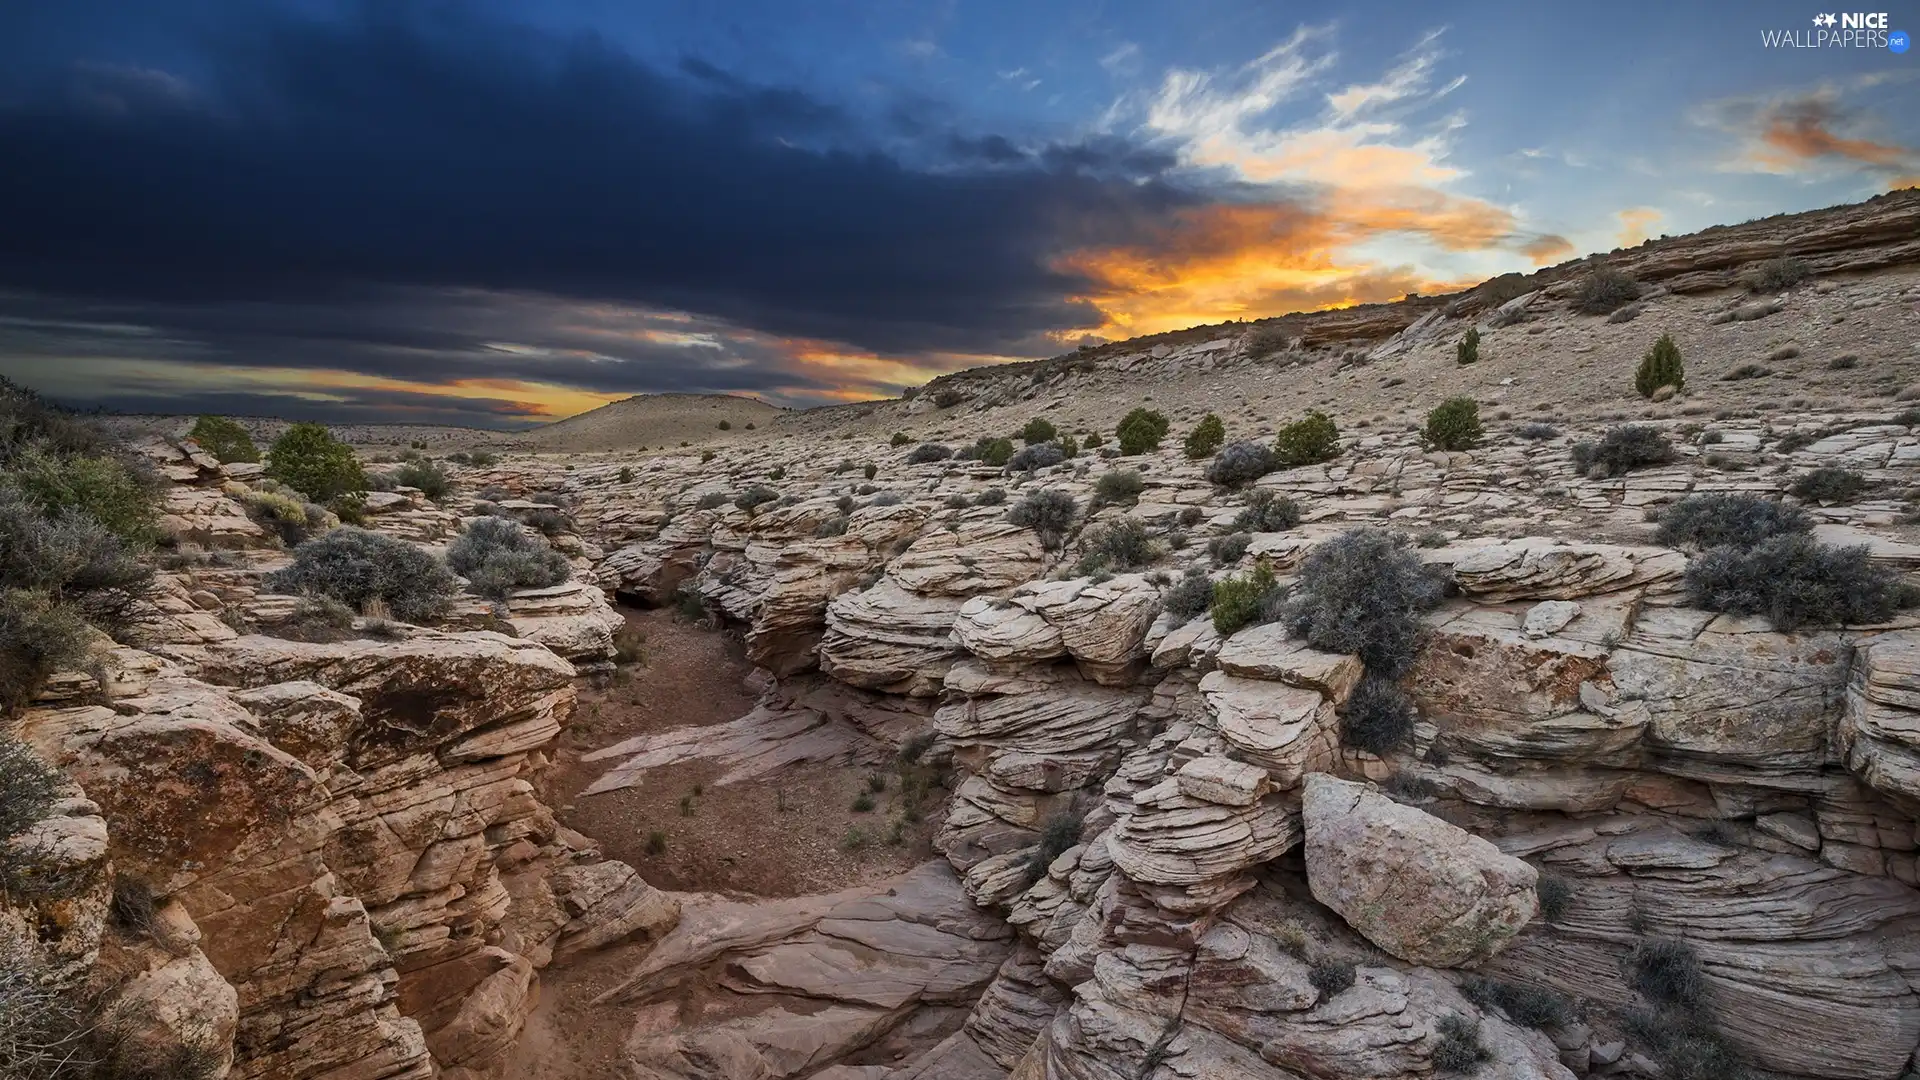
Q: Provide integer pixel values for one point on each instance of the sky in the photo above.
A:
(504, 212)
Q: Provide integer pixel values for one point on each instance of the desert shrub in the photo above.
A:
(28, 420)
(1627, 314)
(957, 501)
(307, 458)
(1556, 896)
(1267, 512)
(1241, 463)
(549, 521)
(927, 453)
(1036, 456)
(1526, 1005)
(1829, 485)
(44, 1033)
(1244, 600)
(947, 397)
(755, 497)
(1205, 438)
(1844, 362)
(1061, 832)
(1708, 521)
(1458, 1048)
(316, 618)
(102, 488)
(1685, 1044)
(1069, 446)
(1121, 486)
(1116, 545)
(28, 788)
(481, 459)
(1331, 976)
(551, 498)
(381, 481)
(706, 456)
(1604, 290)
(869, 470)
(1621, 450)
(355, 567)
(1662, 366)
(1378, 717)
(429, 477)
(991, 497)
(625, 476)
(38, 637)
(1226, 550)
(1454, 424)
(988, 450)
(1777, 275)
(1095, 440)
(1467, 351)
(1362, 592)
(711, 500)
(900, 438)
(1667, 971)
(724, 425)
(1037, 431)
(833, 526)
(1141, 430)
(1188, 597)
(224, 439)
(1795, 581)
(1310, 440)
(1049, 513)
(1746, 371)
(70, 557)
(497, 556)
(1537, 432)
(1498, 290)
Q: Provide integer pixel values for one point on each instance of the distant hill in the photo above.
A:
(652, 420)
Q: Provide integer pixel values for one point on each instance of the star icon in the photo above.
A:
(1826, 20)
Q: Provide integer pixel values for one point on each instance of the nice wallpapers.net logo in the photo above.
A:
(1841, 30)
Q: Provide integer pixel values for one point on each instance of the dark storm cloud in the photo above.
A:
(307, 166)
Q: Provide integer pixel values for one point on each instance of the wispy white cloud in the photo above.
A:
(1405, 80)
(1124, 60)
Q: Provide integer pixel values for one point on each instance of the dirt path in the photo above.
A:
(793, 833)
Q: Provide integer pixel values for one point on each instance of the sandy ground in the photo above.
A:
(783, 835)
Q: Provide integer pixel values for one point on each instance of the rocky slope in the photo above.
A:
(1625, 837)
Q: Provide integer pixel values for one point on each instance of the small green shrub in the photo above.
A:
(1714, 520)
(1116, 546)
(1037, 431)
(224, 439)
(424, 474)
(355, 567)
(927, 453)
(625, 475)
(28, 788)
(1604, 290)
(1556, 896)
(38, 637)
(1244, 600)
(101, 488)
(1205, 438)
(947, 397)
(1745, 372)
(1141, 430)
(1829, 485)
(1777, 275)
(1036, 456)
(1049, 513)
(1454, 424)
(1526, 1005)
(1060, 833)
(1119, 487)
(1188, 597)
(752, 499)
(1795, 581)
(1667, 971)
(869, 470)
(1661, 367)
(724, 425)
(497, 556)
(1537, 432)
(308, 459)
(1467, 351)
(1362, 592)
(1377, 718)
(1685, 1044)
(1267, 512)
(1621, 450)
(1458, 1048)
(1227, 550)
(900, 438)
(1241, 463)
(1308, 441)
(991, 497)
(1094, 440)
(1331, 976)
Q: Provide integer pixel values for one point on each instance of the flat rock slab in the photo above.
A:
(763, 741)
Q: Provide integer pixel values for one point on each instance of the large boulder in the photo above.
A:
(1426, 891)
